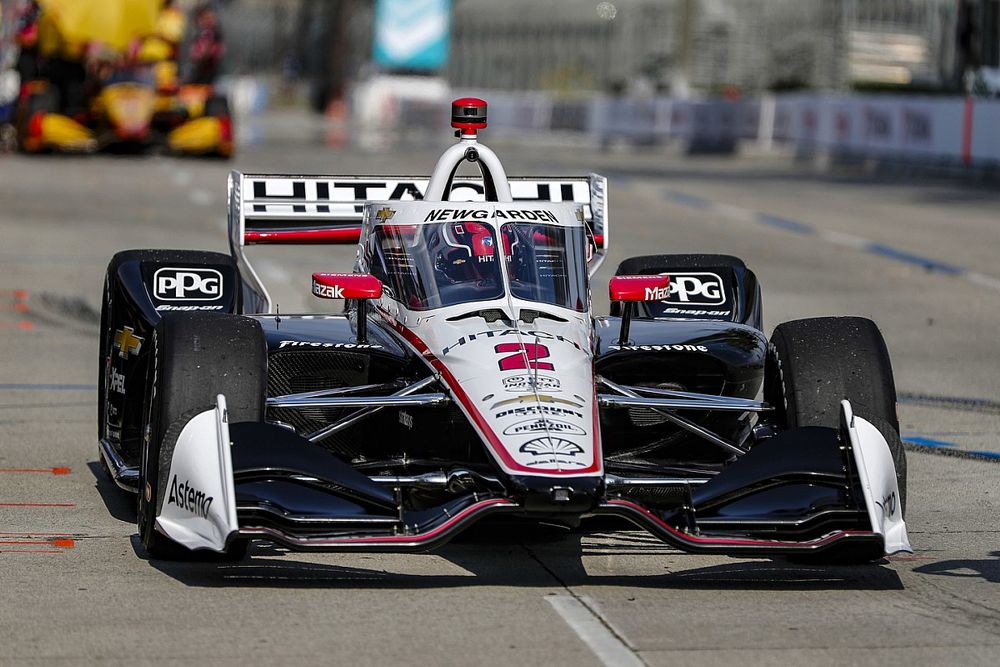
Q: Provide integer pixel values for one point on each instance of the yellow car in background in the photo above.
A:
(114, 62)
(128, 112)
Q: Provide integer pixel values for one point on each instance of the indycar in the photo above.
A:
(128, 112)
(467, 377)
(108, 80)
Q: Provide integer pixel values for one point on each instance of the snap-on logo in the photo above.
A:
(696, 289)
(191, 284)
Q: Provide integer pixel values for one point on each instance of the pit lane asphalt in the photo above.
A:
(494, 596)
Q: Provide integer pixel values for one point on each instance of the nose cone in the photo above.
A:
(550, 496)
(530, 394)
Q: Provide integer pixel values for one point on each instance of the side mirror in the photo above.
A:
(636, 288)
(639, 288)
(360, 286)
(346, 286)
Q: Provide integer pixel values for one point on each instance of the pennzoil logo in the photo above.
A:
(127, 343)
(384, 214)
(543, 425)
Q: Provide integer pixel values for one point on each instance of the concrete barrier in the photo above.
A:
(945, 130)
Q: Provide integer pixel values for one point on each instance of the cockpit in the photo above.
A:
(429, 265)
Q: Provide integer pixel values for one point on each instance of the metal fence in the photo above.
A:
(262, 36)
(643, 46)
(657, 45)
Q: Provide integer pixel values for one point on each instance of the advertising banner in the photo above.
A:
(412, 34)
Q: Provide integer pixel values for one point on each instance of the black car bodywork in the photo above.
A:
(417, 474)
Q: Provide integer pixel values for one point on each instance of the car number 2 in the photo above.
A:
(526, 356)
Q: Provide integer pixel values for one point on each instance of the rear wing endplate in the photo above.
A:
(287, 209)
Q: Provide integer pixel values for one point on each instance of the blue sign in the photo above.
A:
(412, 34)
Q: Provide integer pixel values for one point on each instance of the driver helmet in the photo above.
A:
(468, 252)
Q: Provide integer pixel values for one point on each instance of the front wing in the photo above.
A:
(260, 481)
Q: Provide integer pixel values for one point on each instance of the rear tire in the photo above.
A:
(813, 364)
(196, 357)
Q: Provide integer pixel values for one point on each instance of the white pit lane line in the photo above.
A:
(580, 613)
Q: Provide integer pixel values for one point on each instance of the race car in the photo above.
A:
(128, 112)
(103, 75)
(467, 377)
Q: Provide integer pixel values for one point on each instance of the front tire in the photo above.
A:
(813, 364)
(196, 356)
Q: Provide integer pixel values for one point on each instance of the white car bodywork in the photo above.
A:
(878, 479)
(537, 412)
(521, 373)
(199, 501)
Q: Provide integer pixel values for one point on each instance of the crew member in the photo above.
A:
(206, 48)
(63, 64)
(162, 48)
(26, 38)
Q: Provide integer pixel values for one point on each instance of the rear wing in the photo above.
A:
(286, 209)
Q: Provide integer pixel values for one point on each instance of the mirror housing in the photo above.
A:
(636, 288)
(360, 286)
(639, 288)
(346, 286)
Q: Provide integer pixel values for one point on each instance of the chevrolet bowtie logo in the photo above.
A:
(126, 342)
(384, 214)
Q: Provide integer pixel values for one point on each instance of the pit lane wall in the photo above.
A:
(947, 131)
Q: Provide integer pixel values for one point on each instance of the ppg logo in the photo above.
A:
(696, 289)
(194, 284)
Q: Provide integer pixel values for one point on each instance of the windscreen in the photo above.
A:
(546, 263)
(433, 265)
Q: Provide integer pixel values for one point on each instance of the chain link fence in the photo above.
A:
(650, 46)
(635, 46)
(261, 36)
(705, 45)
